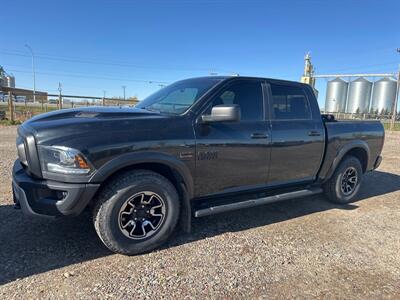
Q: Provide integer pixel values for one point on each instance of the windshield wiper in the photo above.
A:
(151, 109)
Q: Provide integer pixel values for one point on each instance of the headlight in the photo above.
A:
(63, 160)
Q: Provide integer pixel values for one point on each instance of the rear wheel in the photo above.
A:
(345, 183)
(136, 212)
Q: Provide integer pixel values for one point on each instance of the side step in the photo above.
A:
(255, 202)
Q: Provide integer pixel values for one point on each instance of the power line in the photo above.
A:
(92, 77)
(361, 67)
(22, 69)
(104, 62)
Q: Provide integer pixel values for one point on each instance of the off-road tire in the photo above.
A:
(333, 187)
(114, 195)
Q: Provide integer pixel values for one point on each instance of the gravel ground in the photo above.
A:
(304, 248)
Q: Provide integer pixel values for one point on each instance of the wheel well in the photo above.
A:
(361, 155)
(162, 169)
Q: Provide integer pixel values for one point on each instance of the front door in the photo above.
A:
(232, 156)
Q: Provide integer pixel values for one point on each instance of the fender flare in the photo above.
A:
(131, 159)
(343, 151)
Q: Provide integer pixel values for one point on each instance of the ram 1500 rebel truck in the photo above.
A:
(194, 148)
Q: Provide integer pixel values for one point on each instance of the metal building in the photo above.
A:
(359, 96)
(336, 94)
(383, 95)
(9, 81)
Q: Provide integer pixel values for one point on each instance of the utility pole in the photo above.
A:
(11, 106)
(33, 72)
(124, 88)
(394, 113)
(104, 98)
(59, 96)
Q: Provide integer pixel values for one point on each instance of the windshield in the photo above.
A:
(179, 96)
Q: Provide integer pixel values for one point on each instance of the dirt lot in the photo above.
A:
(301, 248)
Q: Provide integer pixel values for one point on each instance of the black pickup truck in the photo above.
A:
(196, 147)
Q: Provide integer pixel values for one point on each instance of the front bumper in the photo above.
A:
(378, 162)
(38, 197)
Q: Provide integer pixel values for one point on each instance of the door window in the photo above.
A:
(289, 103)
(248, 95)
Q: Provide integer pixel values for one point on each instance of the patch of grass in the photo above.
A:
(9, 122)
(396, 126)
(23, 113)
(33, 109)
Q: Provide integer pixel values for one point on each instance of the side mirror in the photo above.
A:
(223, 113)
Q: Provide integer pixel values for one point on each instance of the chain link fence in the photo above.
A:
(18, 105)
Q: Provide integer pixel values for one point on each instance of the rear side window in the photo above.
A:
(289, 103)
(248, 95)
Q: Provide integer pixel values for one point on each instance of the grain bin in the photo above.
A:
(383, 95)
(336, 94)
(359, 96)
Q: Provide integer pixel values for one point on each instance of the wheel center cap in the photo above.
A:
(141, 212)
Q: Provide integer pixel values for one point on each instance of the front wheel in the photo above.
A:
(136, 212)
(345, 183)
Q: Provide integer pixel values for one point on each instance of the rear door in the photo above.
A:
(232, 156)
(297, 134)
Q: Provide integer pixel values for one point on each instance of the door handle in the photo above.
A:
(314, 133)
(259, 135)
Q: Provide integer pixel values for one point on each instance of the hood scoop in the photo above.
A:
(87, 114)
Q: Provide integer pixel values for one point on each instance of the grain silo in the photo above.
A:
(336, 94)
(383, 95)
(359, 96)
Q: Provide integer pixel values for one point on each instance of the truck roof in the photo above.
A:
(282, 81)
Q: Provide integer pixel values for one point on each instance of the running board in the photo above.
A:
(255, 202)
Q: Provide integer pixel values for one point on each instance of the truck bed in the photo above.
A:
(368, 136)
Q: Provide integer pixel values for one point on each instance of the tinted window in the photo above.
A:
(248, 95)
(179, 96)
(289, 102)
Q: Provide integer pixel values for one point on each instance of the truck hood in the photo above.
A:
(81, 122)
(96, 112)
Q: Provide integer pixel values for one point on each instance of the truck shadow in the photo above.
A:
(374, 184)
(32, 246)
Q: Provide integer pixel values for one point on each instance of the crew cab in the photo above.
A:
(197, 147)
